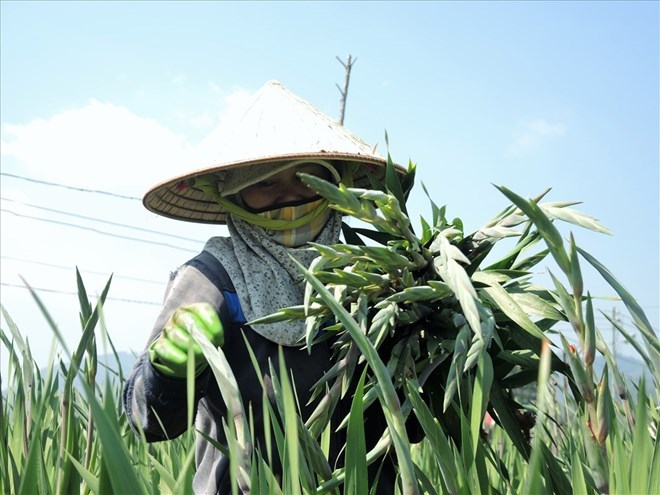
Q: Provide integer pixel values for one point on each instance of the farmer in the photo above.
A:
(270, 214)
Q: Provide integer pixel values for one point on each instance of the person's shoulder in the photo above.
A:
(218, 241)
(211, 267)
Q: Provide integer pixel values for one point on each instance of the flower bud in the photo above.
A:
(575, 273)
(603, 408)
(590, 335)
(579, 374)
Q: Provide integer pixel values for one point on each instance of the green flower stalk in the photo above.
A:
(589, 336)
(603, 405)
(584, 384)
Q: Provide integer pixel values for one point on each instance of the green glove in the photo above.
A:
(169, 352)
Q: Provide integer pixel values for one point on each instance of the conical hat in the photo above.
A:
(276, 126)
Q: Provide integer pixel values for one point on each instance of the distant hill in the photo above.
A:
(126, 361)
(109, 365)
(633, 368)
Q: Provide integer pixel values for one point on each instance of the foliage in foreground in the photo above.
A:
(428, 329)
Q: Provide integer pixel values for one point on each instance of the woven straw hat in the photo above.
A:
(275, 127)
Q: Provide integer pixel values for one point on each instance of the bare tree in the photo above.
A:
(348, 65)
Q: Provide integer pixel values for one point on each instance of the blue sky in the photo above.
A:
(114, 96)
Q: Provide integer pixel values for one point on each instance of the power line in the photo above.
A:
(33, 262)
(102, 232)
(80, 189)
(69, 293)
(93, 219)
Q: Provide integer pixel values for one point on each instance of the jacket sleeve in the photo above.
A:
(157, 404)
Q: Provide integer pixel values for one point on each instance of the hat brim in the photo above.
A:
(175, 199)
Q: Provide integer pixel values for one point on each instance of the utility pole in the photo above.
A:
(348, 65)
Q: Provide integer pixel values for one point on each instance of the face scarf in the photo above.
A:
(290, 225)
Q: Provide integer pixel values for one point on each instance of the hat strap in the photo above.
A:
(209, 188)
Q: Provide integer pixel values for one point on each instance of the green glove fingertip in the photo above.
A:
(208, 321)
(167, 358)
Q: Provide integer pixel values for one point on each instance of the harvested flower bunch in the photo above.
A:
(444, 336)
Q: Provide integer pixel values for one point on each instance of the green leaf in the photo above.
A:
(574, 217)
(184, 480)
(527, 264)
(394, 184)
(291, 459)
(447, 266)
(503, 300)
(232, 397)
(419, 293)
(356, 451)
(619, 463)
(532, 304)
(439, 219)
(89, 478)
(165, 474)
(525, 358)
(380, 237)
(503, 407)
(350, 235)
(83, 300)
(547, 230)
(641, 445)
(442, 450)
(527, 239)
(115, 455)
(554, 472)
(480, 394)
(33, 475)
(577, 475)
(427, 232)
(426, 483)
(654, 475)
(455, 375)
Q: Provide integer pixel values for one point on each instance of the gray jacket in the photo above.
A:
(151, 398)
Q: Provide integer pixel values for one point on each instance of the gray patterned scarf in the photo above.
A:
(264, 275)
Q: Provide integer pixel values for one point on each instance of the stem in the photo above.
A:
(63, 437)
(90, 432)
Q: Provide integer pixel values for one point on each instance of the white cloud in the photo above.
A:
(532, 134)
(209, 147)
(105, 146)
(204, 120)
(100, 145)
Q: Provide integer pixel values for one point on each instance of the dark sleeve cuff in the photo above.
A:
(157, 404)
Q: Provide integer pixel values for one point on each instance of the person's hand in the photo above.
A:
(169, 352)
